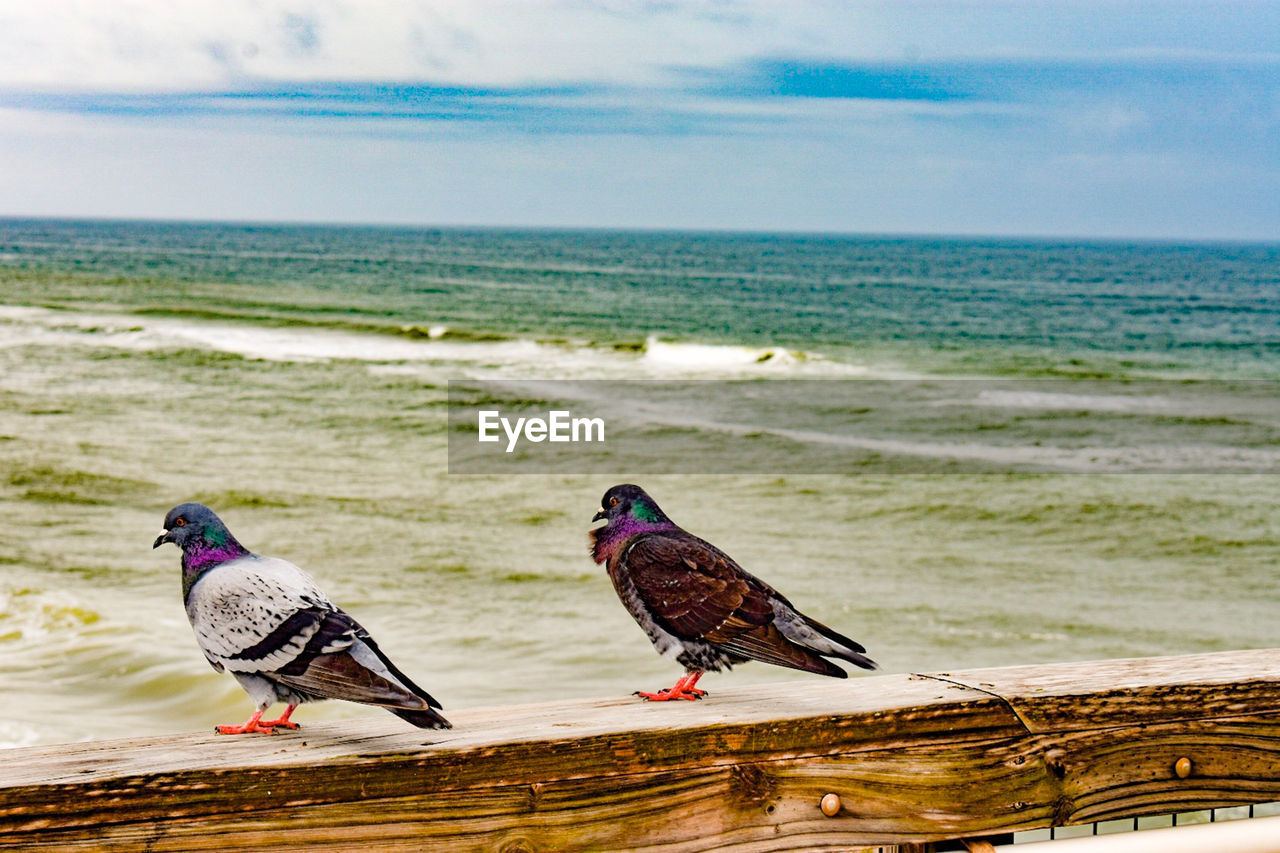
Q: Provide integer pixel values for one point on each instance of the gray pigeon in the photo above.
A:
(266, 622)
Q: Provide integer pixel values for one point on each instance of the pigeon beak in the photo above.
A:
(599, 515)
(167, 536)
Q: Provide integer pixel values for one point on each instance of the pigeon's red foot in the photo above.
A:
(256, 725)
(669, 694)
(283, 722)
(682, 689)
(251, 727)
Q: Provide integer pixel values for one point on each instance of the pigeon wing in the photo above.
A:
(692, 588)
(263, 616)
(255, 614)
(697, 592)
(352, 667)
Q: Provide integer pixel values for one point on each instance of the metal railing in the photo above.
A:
(1243, 829)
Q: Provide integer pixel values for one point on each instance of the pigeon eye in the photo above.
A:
(179, 522)
(613, 501)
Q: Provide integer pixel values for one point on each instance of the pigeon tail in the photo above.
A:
(427, 718)
(769, 644)
(847, 649)
(814, 636)
(813, 662)
(403, 679)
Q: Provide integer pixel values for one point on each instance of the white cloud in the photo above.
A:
(151, 45)
(173, 45)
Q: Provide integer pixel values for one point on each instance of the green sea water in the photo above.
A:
(295, 379)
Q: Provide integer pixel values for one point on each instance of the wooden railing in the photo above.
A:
(896, 760)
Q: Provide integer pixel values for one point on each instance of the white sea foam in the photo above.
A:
(710, 357)
(433, 332)
(288, 344)
(695, 359)
(27, 613)
(13, 734)
(22, 312)
(1058, 401)
(388, 353)
(20, 326)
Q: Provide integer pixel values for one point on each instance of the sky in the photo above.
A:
(1092, 119)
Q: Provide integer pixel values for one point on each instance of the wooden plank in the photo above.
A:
(153, 781)
(912, 759)
(1091, 694)
(812, 714)
(892, 795)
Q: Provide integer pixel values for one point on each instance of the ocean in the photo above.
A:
(297, 380)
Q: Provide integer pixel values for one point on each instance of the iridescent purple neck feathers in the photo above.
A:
(608, 540)
(201, 555)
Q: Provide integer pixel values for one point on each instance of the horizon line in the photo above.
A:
(637, 229)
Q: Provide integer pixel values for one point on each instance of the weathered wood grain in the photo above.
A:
(912, 758)
(1094, 694)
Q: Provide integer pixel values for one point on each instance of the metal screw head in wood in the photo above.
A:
(1182, 767)
(831, 805)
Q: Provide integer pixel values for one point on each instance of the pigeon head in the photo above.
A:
(189, 524)
(628, 511)
(205, 541)
(625, 502)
